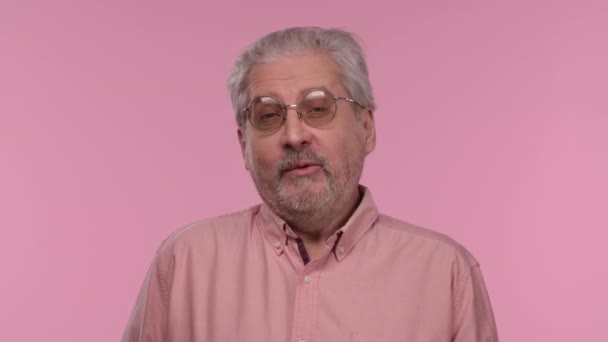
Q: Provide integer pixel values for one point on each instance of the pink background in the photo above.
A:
(116, 129)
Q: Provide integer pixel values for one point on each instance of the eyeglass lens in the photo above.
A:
(317, 108)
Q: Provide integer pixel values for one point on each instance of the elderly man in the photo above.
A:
(315, 261)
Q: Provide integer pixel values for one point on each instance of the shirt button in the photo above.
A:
(307, 279)
(341, 249)
(277, 244)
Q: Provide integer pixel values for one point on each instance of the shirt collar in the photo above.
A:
(277, 231)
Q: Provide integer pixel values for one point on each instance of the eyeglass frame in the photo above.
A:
(286, 107)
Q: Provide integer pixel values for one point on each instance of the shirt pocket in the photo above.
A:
(359, 337)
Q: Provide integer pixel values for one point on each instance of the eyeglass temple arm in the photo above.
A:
(349, 100)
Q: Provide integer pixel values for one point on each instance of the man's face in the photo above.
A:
(300, 168)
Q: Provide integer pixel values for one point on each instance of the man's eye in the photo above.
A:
(269, 115)
(318, 110)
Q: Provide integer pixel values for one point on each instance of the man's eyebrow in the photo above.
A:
(251, 94)
(275, 95)
(308, 90)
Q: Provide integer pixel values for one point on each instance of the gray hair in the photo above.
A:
(340, 45)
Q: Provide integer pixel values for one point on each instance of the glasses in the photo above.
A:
(317, 108)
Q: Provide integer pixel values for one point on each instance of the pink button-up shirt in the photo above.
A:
(242, 277)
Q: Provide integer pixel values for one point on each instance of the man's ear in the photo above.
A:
(241, 137)
(369, 126)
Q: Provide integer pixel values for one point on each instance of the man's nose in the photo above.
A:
(296, 133)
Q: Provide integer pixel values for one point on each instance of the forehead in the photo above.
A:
(289, 77)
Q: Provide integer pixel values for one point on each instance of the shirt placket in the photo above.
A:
(305, 307)
(307, 288)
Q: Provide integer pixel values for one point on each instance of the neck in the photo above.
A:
(314, 228)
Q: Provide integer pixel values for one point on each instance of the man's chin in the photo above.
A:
(304, 198)
(302, 186)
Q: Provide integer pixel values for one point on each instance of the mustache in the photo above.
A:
(294, 158)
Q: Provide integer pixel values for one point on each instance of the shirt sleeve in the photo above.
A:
(473, 316)
(148, 320)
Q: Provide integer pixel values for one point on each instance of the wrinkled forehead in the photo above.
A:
(289, 77)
